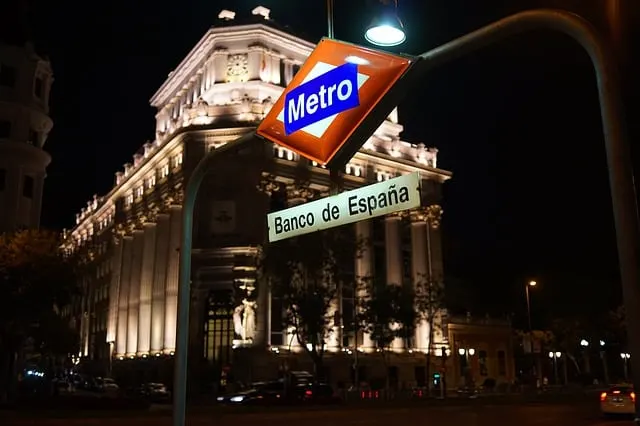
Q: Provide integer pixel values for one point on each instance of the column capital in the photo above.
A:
(432, 215)
(393, 216)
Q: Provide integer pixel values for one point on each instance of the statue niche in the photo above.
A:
(244, 321)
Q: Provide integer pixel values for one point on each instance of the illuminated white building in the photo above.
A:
(25, 81)
(220, 91)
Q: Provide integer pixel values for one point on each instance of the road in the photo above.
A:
(473, 415)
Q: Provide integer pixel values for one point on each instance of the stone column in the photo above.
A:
(134, 292)
(159, 281)
(263, 314)
(288, 71)
(114, 290)
(173, 273)
(146, 288)
(123, 299)
(333, 341)
(393, 260)
(419, 271)
(364, 271)
(433, 214)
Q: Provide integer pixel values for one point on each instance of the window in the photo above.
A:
(482, 358)
(3, 179)
(502, 363)
(27, 187)
(218, 328)
(5, 129)
(420, 374)
(38, 88)
(177, 160)
(296, 68)
(277, 322)
(164, 171)
(283, 81)
(7, 76)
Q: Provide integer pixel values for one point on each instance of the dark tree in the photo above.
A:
(387, 312)
(36, 281)
(305, 273)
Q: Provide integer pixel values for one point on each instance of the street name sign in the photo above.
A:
(329, 105)
(390, 196)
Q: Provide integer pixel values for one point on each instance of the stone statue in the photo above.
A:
(249, 320)
(237, 320)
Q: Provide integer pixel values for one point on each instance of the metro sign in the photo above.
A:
(338, 91)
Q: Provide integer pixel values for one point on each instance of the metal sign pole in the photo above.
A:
(184, 289)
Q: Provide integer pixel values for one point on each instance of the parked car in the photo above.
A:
(155, 392)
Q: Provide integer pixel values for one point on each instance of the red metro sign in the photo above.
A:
(335, 102)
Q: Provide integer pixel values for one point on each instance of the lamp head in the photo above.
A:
(386, 29)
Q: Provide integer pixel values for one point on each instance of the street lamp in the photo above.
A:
(386, 29)
(585, 355)
(625, 358)
(526, 289)
(469, 352)
(554, 356)
(444, 353)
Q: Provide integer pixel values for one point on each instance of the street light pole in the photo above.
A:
(330, 19)
(526, 289)
(621, 179)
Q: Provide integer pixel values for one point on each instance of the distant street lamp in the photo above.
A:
(603, 358)
(526, 289)
(625, 358)
(466, 353)
(533, 357)
(585, 356)
(554, 356)
(444, 353)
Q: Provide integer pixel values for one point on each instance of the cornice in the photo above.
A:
(206, 46)
(410, 166)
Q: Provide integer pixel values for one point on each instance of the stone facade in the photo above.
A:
(25, 82)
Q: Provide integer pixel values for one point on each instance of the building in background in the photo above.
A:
(482, 349)
(25, 82)
(131, 236)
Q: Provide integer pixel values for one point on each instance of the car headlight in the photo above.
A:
(236, 399)
(220, 398)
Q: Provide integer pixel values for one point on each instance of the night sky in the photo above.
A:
(518, 125)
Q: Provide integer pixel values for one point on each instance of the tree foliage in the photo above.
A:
(429, 303)
(306, 273)
(36, 280)
(388, 311)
